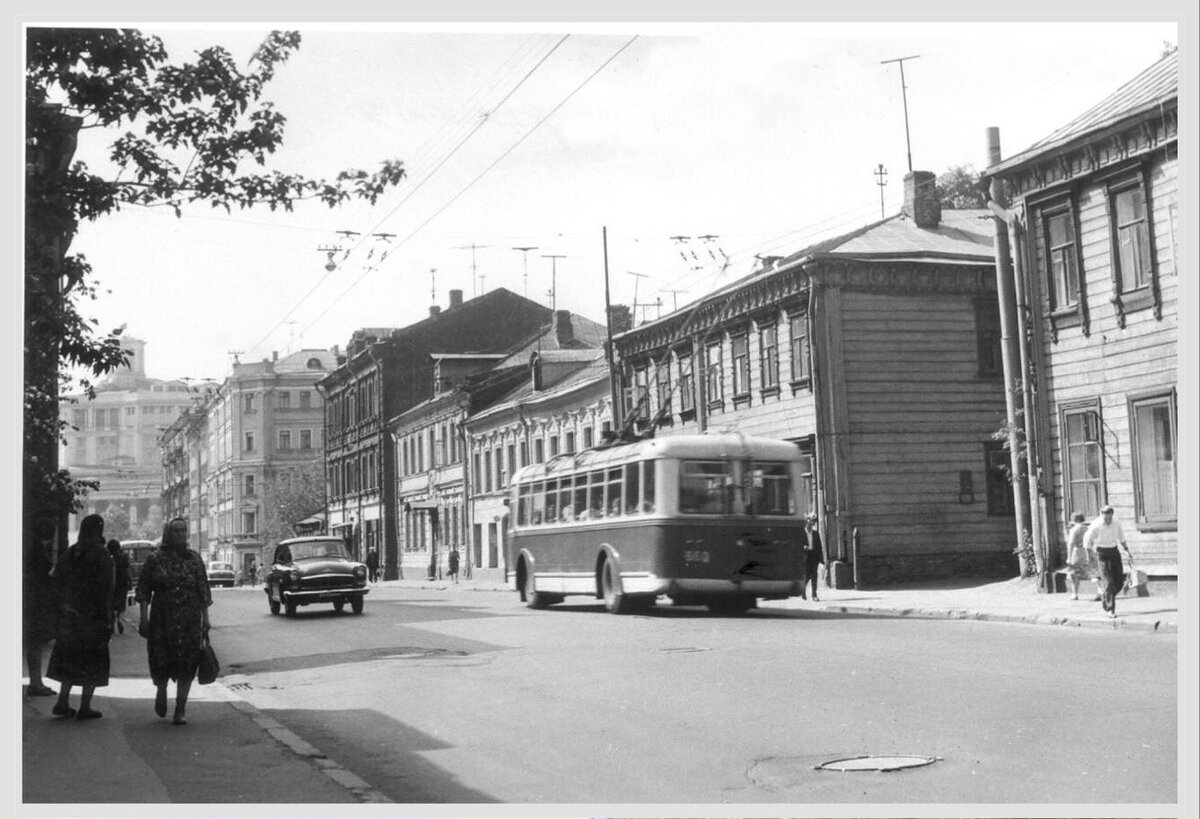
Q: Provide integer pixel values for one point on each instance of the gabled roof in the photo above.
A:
(524, 395)
(962, 237)
(1147, 91)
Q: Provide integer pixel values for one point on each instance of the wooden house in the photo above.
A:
(877, 353)
(1095, 220)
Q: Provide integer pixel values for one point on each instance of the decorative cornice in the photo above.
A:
(1158, 128)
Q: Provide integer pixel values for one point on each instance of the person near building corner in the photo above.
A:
(38, 609)
(453, 564)
(814, 555)
(1105, 538)
(372, 565)
(1080, 566)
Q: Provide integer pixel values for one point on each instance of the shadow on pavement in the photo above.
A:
(389, 755)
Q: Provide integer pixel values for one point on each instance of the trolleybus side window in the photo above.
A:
(647, 486)
(633, 488)
(613, 492)
(704, 487)
(596, 495)
(551, 502)
(771, 489)
(580, 499)
(537, 503)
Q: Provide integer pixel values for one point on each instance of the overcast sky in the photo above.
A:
(765, 136)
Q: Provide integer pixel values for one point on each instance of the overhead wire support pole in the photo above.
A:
(904, 97)
(609, 350)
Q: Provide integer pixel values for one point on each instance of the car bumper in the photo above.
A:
(302, 596)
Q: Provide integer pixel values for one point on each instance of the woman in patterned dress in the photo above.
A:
(173, 596)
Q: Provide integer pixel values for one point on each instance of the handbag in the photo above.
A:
(209, 666)
(1135, 581)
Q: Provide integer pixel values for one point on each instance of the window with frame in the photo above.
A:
(487, 471)
(524, 449)
(249, 523)
(588, 439)
(553, 445)
(510, 459)
(249, 442)
(996, 468)
(285, 439)
(1062, 260)
(637, 400)
(247, 484)
(248, 402)
(1153, 443)
(1083, 459)
(662, 382)
(284, 399)
(1131, 235)
(741, 364)
(714, 387)
(305, 399)
(990, 362)
(570, 443)
(306, 439)
(768, 355)
(539, 451)
(798, 337)
(687, 398)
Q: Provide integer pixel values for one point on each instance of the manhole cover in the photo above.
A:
(878, 763)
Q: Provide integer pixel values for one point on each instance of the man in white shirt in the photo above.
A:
(1106, 538)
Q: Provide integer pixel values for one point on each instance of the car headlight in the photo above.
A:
(360, 571)
(294, 576)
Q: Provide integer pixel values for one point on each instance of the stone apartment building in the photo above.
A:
(386, 371)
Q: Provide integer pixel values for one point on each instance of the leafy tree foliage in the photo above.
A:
(297, 493)
(180, 133)
(960, 189)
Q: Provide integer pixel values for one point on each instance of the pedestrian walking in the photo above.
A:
(173, 595)
(814, 555)
(1105, 538)
(252, 573)
(452, 564)
(122, 583)
(1079, 560)
(83, 582)
(259, 573)
(372, 565)
(38, 613)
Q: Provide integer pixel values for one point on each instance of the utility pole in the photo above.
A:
(473, 248)
(904, 95)
(553, 278)
(881, 181)
(609, 351)
(525, 260)
(675, 298)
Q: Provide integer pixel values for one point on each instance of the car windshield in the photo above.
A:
(317, 548)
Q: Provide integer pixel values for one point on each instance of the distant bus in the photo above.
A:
(137, 551)
(711, 519)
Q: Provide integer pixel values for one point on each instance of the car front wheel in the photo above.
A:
(356, 604)
(274, 604)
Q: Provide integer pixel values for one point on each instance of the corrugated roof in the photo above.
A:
(1152, 87)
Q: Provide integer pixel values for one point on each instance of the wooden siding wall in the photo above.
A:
(1113, 363)
(918, 412)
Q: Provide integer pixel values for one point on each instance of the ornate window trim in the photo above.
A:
(1149, 294)
(1045, 209)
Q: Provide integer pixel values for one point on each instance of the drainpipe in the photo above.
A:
(1033, 437)
(1009, 343)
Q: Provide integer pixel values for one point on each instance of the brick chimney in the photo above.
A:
(921, 199)
(455, 299)
(563, 330)
(434, 311)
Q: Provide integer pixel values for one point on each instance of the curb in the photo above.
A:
(361, 790)
(1156, 627)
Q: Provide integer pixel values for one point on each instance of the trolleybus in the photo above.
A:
(710, 519)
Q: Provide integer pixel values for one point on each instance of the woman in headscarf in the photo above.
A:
(122, 583)
(173, 598)
(83, 579)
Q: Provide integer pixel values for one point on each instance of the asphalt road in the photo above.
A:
(436, 697)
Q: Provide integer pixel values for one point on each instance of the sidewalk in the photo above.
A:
(1016, 600)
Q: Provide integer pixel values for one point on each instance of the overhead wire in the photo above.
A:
(483, 173)
(410, 193)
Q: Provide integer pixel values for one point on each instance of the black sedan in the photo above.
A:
(315, 569)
